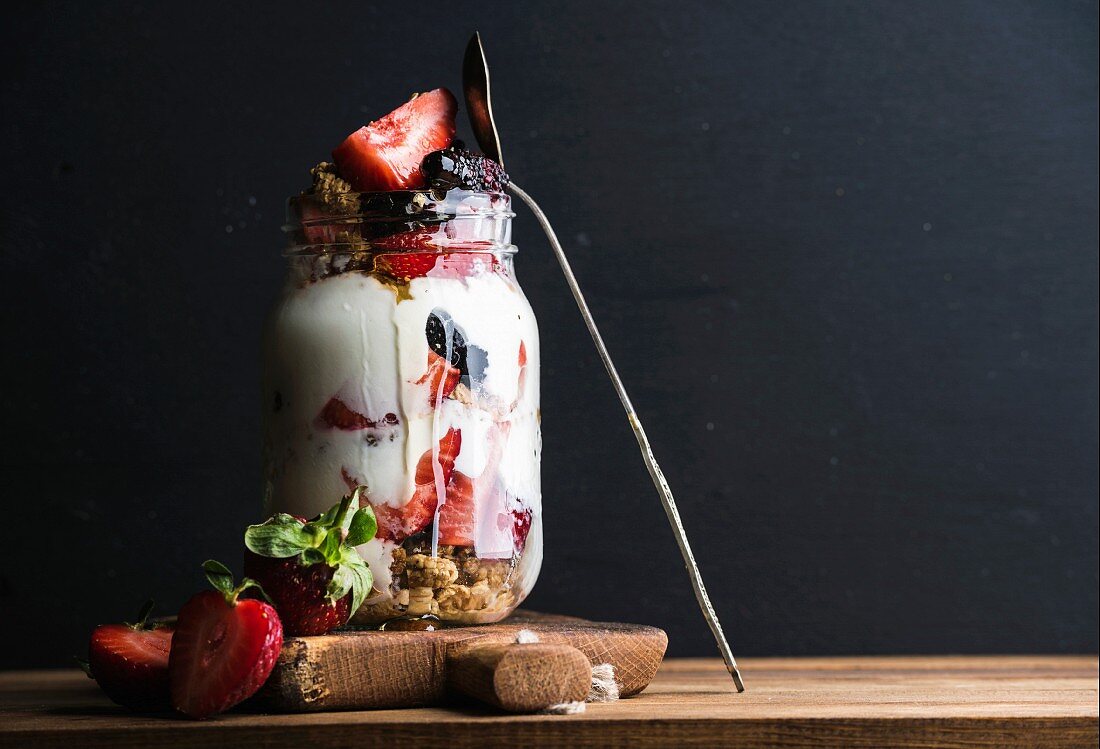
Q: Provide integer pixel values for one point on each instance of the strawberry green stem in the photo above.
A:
(143, 615)
(345, 504)
(222, 579)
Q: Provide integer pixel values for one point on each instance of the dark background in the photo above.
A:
(844, 253)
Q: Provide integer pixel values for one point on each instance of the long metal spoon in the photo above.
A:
(475, 85)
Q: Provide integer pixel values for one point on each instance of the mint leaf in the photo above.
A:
(248, 582)
(311, 556)
(278, 538)
(361, 585)
(325, 519)
(363, 526)
(314, 533)
(330, 547)
(340, 584)
(219, 576)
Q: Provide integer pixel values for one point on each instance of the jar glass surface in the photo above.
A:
(402, 356)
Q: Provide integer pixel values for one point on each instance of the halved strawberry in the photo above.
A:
(223, 649)
(386, 154)
(130, 662)
(440, 376)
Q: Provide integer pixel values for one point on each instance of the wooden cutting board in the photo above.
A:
(364, 669)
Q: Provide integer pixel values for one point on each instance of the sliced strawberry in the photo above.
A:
(423, 238)
(521, 526)
(398, 523)
(130, 664)
(468, 499)
(456, 516)
(386, 154)
(337, 415)
(464, 264)
(440, 376)
(317, 226)
(450, 246)
(458, 234)
(405, 266)
(449, 446)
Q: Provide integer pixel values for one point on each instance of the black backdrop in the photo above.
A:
(845, 254)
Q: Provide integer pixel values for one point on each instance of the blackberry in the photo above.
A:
(454, 167)
(438, 329)
(470, 359)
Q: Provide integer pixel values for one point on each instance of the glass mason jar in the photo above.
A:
(402, 356)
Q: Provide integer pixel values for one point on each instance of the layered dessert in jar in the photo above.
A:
(402, 357)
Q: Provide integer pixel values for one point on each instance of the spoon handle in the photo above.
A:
(655, 472)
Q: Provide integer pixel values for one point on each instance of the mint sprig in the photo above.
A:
(330, 539)
(281, 536)
(363, 526)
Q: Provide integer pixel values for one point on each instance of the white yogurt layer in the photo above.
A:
(350, 337)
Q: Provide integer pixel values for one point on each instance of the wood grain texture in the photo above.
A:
(1012, 701)
(520, 678)
(356, 670)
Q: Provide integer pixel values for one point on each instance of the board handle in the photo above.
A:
(520, 678)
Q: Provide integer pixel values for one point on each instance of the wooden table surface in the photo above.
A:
(968, 702)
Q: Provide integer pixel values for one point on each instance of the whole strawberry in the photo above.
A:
(224, 647)
(130, 662)
(311, 569)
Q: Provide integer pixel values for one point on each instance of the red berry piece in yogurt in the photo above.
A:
(521, 526)
(456, 516)
(338, 415)
(441, 378)
(398, 523)
(405, 266)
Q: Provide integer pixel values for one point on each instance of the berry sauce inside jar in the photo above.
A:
(402, 356)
